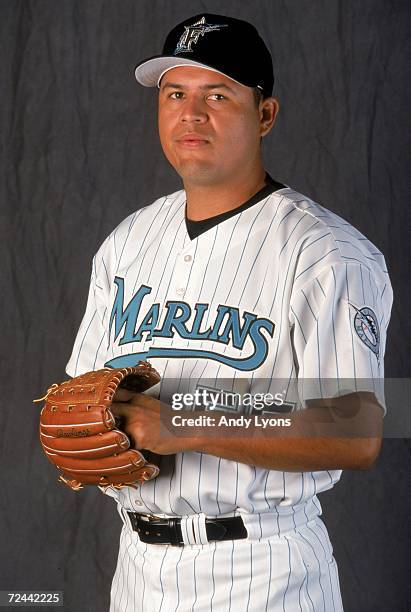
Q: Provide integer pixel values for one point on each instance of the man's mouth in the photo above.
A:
(192, 141)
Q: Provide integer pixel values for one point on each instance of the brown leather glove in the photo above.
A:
(79, 433)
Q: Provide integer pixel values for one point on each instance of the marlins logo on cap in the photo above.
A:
(193, 32)
(230, 46)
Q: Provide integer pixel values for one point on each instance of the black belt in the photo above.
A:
(156, 530)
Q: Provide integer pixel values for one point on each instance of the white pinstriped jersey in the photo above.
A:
(282, 290)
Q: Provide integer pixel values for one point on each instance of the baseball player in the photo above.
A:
(238, 279)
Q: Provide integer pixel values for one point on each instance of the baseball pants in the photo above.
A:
(291, 572)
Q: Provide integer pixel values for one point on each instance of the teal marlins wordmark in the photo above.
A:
(179, 318)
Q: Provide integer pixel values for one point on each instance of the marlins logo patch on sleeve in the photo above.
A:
(367, 328)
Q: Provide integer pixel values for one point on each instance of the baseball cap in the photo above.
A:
(224, 44)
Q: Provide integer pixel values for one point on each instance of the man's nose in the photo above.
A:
(194, 110)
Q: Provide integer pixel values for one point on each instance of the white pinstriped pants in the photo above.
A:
(291, 572)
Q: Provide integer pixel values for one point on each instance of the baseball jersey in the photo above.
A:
(281, 290)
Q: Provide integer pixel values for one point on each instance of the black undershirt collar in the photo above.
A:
(195, 228)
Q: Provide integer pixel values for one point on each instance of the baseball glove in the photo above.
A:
(80, 434)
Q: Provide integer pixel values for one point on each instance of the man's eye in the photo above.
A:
(217, 96)
(175, 95)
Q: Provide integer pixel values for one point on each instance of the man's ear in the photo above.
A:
(268, 111)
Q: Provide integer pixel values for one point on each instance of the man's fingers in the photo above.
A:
(123, 395)
(122, 409)
(126, 402)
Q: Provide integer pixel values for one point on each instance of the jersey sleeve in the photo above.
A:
(339, 323)
(89, 350)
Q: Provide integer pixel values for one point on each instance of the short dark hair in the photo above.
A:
(258, 95)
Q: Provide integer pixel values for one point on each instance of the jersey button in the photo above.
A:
(138, 503)
(187, 258)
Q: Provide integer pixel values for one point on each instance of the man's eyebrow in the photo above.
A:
(209, 86)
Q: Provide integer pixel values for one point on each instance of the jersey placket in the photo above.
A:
(177, 297)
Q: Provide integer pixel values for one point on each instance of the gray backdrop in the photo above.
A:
(79, 152)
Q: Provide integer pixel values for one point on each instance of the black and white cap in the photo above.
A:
(227, 45)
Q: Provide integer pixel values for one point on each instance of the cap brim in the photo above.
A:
(150, 71)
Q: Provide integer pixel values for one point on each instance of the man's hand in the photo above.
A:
(140, 419)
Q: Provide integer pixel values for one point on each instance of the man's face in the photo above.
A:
(209, 125)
